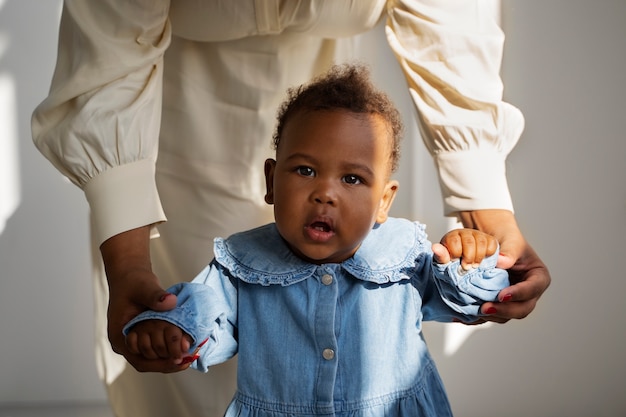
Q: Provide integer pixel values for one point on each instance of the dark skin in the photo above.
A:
(135, 288)
(528, 274)
(166, 346)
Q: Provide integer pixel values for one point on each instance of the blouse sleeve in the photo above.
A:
(100, 123)
(450, 52)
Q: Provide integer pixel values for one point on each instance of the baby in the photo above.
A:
(324, 307)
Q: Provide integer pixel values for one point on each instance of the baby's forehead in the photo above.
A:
(299, 122)
(372, 120)
(303, 129)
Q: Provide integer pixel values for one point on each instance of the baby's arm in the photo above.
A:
(159, 339)
(470, 245)
(203, 322)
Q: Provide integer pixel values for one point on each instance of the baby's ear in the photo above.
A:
(270, 166)
(386, 201)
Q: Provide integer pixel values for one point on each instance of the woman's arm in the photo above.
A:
(451, 52)
(99, 126)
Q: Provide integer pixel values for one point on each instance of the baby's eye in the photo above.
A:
(352, 179)
(305, 171)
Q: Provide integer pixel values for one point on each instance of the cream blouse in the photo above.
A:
(102, 126)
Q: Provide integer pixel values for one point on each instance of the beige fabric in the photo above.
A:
(198, 84)
(451, 53)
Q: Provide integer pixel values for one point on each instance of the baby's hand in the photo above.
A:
(158, 339)
(468, 244)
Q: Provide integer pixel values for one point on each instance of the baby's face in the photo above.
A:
(330, 182)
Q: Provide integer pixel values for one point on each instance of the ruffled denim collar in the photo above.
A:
(261, 256)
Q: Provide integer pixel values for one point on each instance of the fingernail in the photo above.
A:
(491, 310)
(164, 296)
(189, 359)
(507, 297)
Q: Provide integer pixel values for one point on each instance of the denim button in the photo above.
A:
(328, 354)
(327, 279)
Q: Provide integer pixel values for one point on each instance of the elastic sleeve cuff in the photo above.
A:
(473, 180)
(194, 314)
(124, 198)
(465, 291)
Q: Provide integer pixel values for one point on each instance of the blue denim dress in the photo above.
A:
(329, 340)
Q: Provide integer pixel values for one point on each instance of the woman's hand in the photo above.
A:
(133, 288)
(528, 274)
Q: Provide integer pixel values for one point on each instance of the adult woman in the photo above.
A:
(197, 83)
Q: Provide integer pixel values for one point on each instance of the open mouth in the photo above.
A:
(321, 227)
(320, 231)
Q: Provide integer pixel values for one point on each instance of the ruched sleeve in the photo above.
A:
(206, 310)
(451, 52)
(99, 126)
(465, 291)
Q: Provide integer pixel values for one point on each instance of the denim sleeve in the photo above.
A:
(204, 314)
(465, 291)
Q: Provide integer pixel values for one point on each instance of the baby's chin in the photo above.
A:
(319, 255)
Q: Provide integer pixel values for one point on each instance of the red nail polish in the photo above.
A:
(506, 298)
(491, 310)
(189, 359)
(164, 296)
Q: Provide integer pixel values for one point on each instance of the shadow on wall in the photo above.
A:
(44, 252)
(9, 176)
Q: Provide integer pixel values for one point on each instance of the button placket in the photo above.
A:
(325, 338)
(267, 16)
(328, 353)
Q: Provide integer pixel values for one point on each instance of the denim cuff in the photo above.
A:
(465, 291)
(193, 314)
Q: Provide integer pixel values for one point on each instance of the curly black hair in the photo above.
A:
(343, 87)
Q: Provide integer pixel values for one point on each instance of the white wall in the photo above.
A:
(46, 336)
(564, 67)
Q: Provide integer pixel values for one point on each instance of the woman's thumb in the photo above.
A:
(160, 300)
